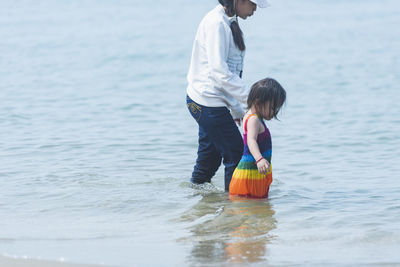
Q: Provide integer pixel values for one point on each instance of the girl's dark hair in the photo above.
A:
(236, 31)
(267, 90)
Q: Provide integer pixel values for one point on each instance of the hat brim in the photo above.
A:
(261, 3)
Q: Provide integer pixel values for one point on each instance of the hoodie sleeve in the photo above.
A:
(217, 46)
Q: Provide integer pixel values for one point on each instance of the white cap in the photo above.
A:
(260, 3)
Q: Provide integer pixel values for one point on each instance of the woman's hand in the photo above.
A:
(237, 121)
(263, 166)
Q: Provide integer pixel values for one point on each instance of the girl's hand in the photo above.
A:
(263, 166)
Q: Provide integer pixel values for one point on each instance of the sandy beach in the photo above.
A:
(11, 262)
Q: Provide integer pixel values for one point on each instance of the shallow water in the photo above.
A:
(97, 147)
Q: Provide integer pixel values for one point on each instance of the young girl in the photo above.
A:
(253, 175)
(216, 91)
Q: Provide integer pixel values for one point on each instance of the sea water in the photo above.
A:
(97, 146)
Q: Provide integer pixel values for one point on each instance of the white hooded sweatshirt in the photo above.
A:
(216, 64)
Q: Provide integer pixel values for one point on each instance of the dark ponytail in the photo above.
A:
(236, 31)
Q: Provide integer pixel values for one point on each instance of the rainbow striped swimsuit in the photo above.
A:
(247, 181)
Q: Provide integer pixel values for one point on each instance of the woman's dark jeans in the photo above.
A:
(219, 138)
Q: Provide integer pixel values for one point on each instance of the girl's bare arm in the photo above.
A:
(253, 128)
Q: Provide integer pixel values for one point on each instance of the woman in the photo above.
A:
(216, 91)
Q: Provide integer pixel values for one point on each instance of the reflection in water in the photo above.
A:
(248, 241)
(227, 230)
